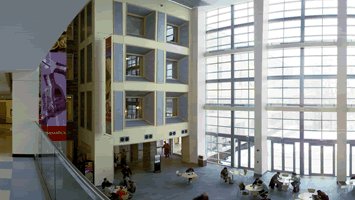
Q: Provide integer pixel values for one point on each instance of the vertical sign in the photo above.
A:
(53, 95)
(108, 84)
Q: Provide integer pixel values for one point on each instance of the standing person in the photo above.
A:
(123, 158)
(166, 148)
(126, 172)
(275, 181)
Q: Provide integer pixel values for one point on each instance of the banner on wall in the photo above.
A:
(53, 118)
(108, 84)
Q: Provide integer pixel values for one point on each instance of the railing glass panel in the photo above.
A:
(62, 179)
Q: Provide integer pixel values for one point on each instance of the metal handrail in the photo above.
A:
(85, 184)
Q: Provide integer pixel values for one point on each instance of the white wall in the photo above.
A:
(25, 95)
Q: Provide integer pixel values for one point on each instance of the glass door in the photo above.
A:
(322, 160)
(352, 159)
(283, 157)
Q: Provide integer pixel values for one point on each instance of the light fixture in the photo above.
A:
(137, 107)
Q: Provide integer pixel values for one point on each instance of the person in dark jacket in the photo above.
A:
(189, 170)
(275, 181)
(105, 183)
(224, 175)
(203, 196)
(126, 172)
(322, 195)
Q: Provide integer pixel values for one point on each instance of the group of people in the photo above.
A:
(275, 181)
(126, 187)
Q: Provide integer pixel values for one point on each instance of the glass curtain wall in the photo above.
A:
(302, 67)
(230, 84)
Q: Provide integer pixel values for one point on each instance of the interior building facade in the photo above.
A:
(260, 85)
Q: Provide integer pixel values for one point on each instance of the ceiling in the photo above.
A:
(175, 56)
(191, 3)
(137, 50)
(138, 10)
(28, 29)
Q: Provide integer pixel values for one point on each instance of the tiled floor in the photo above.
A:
(167, 186)
(18, 176)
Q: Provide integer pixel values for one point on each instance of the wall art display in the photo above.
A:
(108, 84)
(53, 117)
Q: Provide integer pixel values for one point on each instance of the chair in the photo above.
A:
(311, 190)
(242, 190)
(285, 187)
(263, 195)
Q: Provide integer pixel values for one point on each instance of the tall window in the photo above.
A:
(171, 69)
(134, 65)
(244, 24)
(171, 107)
(134, 108)
(172, 33)
(89, 110)
(218, 35)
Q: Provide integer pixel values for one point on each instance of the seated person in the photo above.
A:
(131, 187)
(121, 192)
(203, 196)
(224, 175)
(241, 186)
(255, 182)
(263, 193)
(105, 183)
(275, 181)
(322, 195)
(296, 182)
(189, 170)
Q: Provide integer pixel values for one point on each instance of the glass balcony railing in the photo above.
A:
(62, 179)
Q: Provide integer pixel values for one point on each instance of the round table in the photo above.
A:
(189, 175)
(305, 195)
(254, 190)
(234, 172)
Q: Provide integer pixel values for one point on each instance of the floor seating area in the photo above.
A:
(167, 185)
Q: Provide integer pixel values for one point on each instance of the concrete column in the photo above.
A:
(25, 108)
(103, 143)
(260, 66)
(185, 148)
(149, 151)
(341, 91)
(134, 152)
(197, 85)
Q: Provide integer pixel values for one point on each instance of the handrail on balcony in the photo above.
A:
(59, 171)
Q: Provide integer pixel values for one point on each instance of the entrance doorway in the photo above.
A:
(5, 126)
(322, 159)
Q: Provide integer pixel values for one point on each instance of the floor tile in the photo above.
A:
(6, 157)
(6, 173)
(5, 184)
(4, 194)
(5, 165)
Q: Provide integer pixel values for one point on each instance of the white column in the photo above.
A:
(25, 108)
(103, 147)
(260, 68)
(341, 92)
(197, 84)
